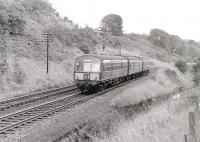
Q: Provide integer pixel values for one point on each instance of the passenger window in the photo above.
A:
(116, 64)
(124, 63)
(106, 65)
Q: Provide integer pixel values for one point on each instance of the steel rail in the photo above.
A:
(20, 101)
(16, 119)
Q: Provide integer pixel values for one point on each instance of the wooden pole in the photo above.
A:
(48, 39)
(47, 53)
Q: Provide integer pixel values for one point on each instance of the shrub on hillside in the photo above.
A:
(35, 6)
(16, 24)
(11, 19)
(19, 76)
(196, 73)
(84, 49)
(181, 65)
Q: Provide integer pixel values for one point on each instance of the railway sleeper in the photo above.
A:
(22, 115)
(42, 110)
(3, 108)
(10, 130)
(16, 119)
(11, 121)
(44, 116)
(26, 115)
(2, 124)
(5, 120)
(31, 114)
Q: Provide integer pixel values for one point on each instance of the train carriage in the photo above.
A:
(101, 70)
(135, 64)
(91, 69)
(113, 67)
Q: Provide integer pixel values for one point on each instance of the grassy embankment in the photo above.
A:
(162, 120)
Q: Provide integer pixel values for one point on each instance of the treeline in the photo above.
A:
(18, 15)
(174, 44)
(38, 16)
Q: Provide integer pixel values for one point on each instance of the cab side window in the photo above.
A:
(79, 66)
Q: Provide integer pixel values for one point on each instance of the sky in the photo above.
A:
(178, 17)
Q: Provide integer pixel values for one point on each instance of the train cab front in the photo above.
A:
(86, 72)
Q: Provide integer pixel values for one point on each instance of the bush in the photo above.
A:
(84, 49)
(181, 65)
(19, 76)
(196, 73)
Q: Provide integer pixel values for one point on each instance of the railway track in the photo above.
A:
(29, 99)
(12, 122)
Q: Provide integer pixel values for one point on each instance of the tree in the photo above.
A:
(159, 38)
(196, 73)
(181, 65)
(35, 6)
(16, 24)
(112, 23)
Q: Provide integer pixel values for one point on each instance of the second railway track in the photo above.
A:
(29, 99)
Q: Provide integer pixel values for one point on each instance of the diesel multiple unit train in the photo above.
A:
(93, 71)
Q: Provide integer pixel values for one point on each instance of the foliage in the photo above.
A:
(85, 49)
(159, 38)
(112, 23)
(196, 73)
(19, 76)
(166, 41)
(34, 6)
(16, 24)
(11, 17)
(186, 48)
(181, 65)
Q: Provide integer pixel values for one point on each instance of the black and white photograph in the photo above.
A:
(99, 71)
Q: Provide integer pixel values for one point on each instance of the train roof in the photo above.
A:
(109, 57)
(134, 57)
(102, 57)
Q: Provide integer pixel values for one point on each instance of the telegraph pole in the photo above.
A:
(48, 39)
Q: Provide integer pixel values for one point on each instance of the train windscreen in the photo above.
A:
(87, 67)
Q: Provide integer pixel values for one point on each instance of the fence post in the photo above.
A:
(197, 117)
(185, 138)
(193, 135)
